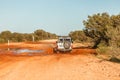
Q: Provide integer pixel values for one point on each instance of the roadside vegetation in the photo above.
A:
(79, 36)
(21, 37)
(104, 29)
(101, 30)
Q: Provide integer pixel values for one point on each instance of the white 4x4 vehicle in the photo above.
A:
(63, 44)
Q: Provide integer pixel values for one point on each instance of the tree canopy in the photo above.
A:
(103, 28)
(78, 36)
(20, 37)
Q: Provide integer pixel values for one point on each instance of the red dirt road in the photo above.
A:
(77, 65)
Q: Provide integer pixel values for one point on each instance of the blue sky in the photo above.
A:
(55, 16)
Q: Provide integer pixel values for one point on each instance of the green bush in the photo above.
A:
(2, 40)
(103, 28)
(108, 53)
(20, 37)
(102, 50)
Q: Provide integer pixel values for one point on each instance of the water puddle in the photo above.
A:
(19, 51)
(25, 51)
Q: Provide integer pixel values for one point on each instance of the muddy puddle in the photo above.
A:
(18, 51)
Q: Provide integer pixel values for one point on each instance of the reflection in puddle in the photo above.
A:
(19, 51)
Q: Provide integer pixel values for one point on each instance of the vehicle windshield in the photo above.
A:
(67, 40)
(61, 40)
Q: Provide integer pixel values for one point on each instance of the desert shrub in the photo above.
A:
(102, 50)
(105, 32)
(108, 53)
(79, 36)
(41, 35)
(20, 37)
(77, 41)
(2, 40)
(103, 28)
(115, 52)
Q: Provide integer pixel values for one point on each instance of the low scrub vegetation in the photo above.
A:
(79, 36)
(20, 37)
(104, 29)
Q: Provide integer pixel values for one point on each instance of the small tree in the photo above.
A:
(96, 27)
(78, 36)
(104, 29)
(5, 35)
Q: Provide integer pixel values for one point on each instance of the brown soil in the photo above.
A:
(80, 64)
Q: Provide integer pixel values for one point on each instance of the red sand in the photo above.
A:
(80, 64)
